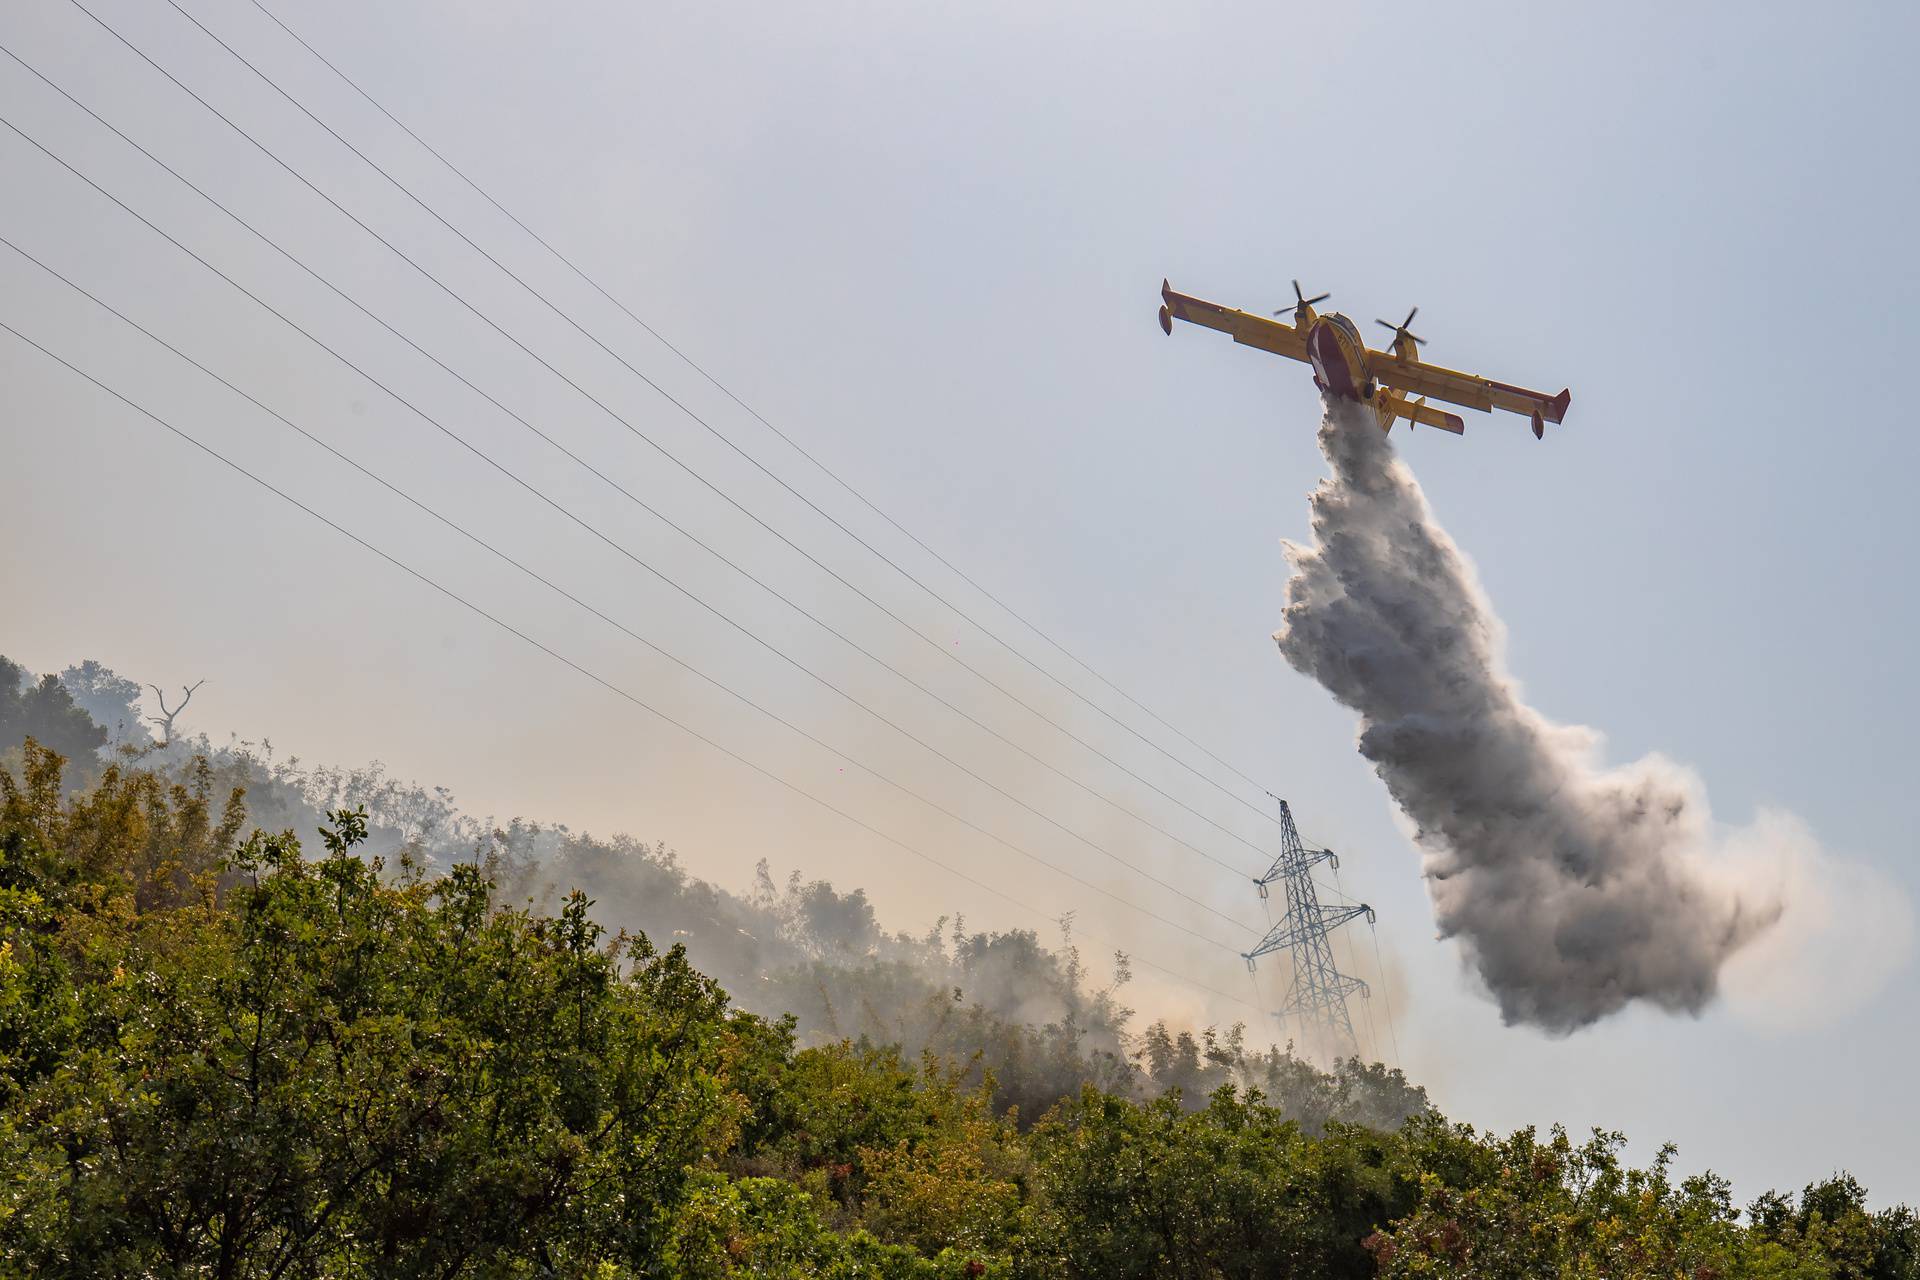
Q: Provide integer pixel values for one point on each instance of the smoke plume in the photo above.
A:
(1574, 888)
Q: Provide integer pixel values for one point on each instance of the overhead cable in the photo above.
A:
(687, 411)
(615, 545)
(758, 581)
(557, 656)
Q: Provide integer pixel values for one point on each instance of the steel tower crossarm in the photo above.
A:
(1294, 856)
(1289, 933)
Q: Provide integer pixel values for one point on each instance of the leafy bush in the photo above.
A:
(224, 1054)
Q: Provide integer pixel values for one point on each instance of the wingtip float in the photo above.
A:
(1394, 383)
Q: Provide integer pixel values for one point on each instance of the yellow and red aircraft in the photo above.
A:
(1343, 366)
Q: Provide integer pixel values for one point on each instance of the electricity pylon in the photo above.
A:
(1317, 994)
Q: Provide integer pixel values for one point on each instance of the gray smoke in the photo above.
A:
(1573, 887)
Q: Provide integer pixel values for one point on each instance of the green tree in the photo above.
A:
(44, 711)
(133, 833)
(222, 1056)
(1832, 1217)
(1233, 1189)
(1531, 1208)
(772, 1230)
(111, 701)
(331, 1074)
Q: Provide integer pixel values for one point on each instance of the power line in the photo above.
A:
(1386, 994)
(786, 439)
(696, 418)
(1353, 962)
(516, 564)
(606, 684)
(562, 449)
(690, 667)
(774, 649)
(655, 445)
(715, 432)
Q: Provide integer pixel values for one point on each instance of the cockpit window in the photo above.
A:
(1347, 325)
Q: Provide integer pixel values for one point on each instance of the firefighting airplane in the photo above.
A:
(1343, 366)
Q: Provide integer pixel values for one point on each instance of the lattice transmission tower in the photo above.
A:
(1317, 995)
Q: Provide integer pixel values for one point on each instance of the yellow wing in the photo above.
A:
(1418, 378)
(1242, 326)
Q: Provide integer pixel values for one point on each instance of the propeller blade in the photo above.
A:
(1401, 331)
(1301, 298)
(1304, 300)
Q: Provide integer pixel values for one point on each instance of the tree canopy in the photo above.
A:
(226, 1052)
(45, 711)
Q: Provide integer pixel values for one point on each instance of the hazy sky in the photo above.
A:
(925, 241)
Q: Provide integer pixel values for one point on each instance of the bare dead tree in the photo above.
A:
(165, 718)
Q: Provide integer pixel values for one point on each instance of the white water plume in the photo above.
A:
(1574, 887)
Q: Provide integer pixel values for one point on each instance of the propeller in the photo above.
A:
(1401, 331)
(1303, 300)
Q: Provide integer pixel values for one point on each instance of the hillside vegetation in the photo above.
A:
(224, 1052)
